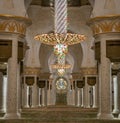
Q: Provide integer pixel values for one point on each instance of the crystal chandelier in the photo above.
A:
(60, 39)
(60, 43)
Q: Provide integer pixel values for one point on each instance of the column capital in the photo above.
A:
(105, 24)
(115, 68)
(14, 24)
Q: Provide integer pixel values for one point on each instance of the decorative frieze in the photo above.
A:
(105, 24)
(77, 76)
(44, 75)
(31, 71)
(88, 71)
(13, 24)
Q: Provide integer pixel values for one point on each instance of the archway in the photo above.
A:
(61, 91)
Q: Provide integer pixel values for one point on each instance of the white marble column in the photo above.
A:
(46, 93)
(43, 96)
(78, 97)
(76, 94)
(49, 94)
(35, 93)
(95, 94)
(1, 93)
(12, 85)
(118, 79)
(91, 95)
(24, 94)
(86, 94)
(22, 89)
(82, 97)
(105, 103)
(19, 88)
(26, 91)
(115, 88)
(39, 101)
(73, 94)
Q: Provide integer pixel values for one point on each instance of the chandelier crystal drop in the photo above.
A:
(60, 49)
(61, 72)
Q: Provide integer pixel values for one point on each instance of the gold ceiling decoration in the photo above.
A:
(56, 38)
(105, 24)
(14, 24)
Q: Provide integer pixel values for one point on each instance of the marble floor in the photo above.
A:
(59, 114)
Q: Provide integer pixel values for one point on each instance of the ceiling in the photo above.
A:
(70, 2)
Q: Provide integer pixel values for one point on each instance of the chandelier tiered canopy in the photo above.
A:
(60, 39)
(57, 38)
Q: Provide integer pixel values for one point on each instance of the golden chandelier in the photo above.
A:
(56, 38)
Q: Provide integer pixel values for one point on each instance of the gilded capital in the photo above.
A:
(105, 24)
(14, 24)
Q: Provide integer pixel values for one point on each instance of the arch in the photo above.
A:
(77, 53)
(44, 54)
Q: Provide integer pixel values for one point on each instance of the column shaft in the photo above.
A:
(105, 106)
(1, 93)
(39, 101)
(26, 95)
(43, 96)
(35, 94)
(12, 87)
(78, 97)
(115, 88)
(49, 95)
(86, 94)
(82, 98)
(95, 95)
(118, 79)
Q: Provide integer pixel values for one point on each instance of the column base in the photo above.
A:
(87, 107)
(116, 111)
(118, 116)
(12, 116)
(34, 106)
(94, 106)
(26, 106)
(2, 113)
(105, 116)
